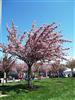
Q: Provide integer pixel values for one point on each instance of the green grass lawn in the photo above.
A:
(48, 89)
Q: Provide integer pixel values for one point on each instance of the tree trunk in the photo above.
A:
(5, 77)
(58, 73)
(72, 71)
(29, 77)
(46, 74)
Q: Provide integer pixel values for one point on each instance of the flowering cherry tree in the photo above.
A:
(41, 67)
(39, 44)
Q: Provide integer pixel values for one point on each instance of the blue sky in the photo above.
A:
(24, 12)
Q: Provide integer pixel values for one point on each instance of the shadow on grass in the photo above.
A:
(18, 88)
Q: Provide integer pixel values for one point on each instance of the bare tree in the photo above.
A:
(71, 64)
(6, 65)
